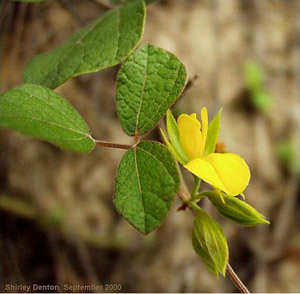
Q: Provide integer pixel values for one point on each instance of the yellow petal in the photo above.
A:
(190, 135)
(204, 120)
(227, 172)
(194, 117)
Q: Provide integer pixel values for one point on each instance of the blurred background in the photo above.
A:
(58, 223)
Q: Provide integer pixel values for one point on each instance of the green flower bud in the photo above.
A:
(236, 209)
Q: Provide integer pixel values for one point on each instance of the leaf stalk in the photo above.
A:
(112, 145)
(196, 187)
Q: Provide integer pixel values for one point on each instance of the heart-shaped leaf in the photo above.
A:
(37, 111)
(145, 186)
(148, 83)
(102, 44)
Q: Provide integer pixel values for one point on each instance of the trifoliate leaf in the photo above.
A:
(210, 243)
(235, 209)
(148, 83)
(36, 111)
(212, 134)
(145, 186)
(102, 44)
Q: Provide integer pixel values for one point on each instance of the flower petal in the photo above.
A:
(197, 122)
(190, 135)
(227, 172)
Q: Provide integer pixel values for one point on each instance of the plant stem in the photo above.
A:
(194, 206)
(112, 145)
(236, 280)
(196, 187)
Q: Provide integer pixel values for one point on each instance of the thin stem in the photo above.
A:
(194, 207)
(196, 187)
(112, 145)
(183, 191)
(198, 196)
(236, 280)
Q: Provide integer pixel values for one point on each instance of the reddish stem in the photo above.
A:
(112, 145)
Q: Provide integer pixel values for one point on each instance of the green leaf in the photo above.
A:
(102, 44)
(146, 184)
(210, 243)
(148, 83)
(212, 134)
(173, 132)
(39, 112)
(235, 209)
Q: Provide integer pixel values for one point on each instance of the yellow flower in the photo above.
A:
(227, 172)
